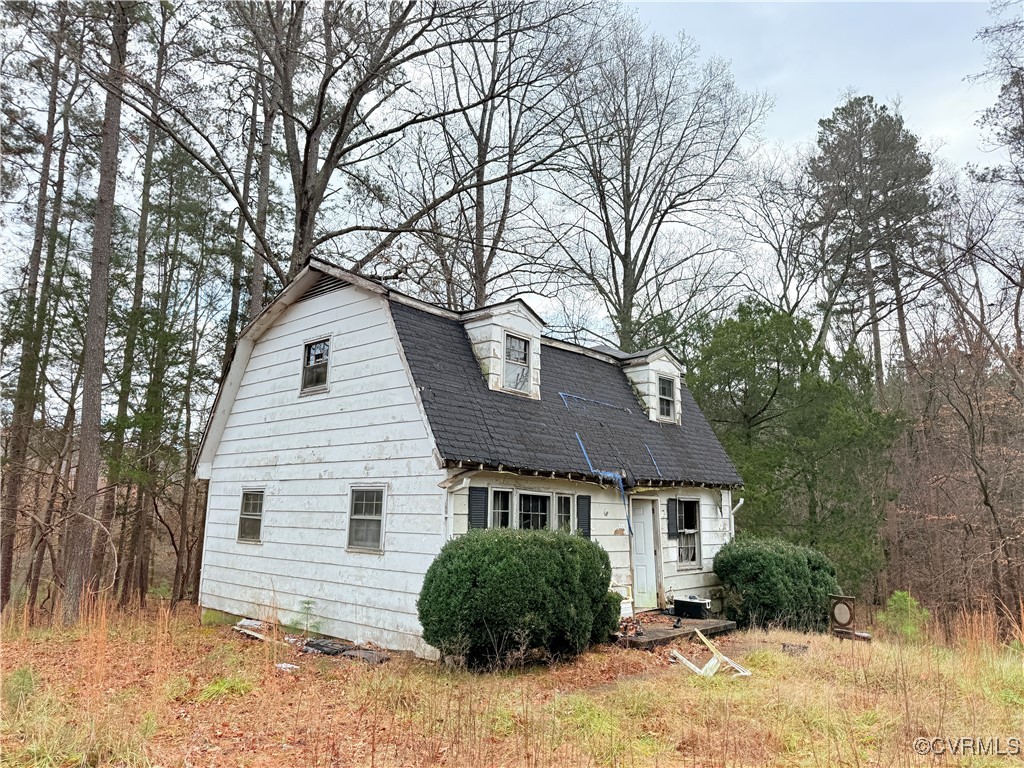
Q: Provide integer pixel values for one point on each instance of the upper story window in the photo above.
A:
(315, 359)
(516, 373)
(666, 398)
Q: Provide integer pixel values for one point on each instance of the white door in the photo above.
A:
(645, 577)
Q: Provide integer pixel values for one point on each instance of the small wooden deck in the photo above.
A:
(655, 635)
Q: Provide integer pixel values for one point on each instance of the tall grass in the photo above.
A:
(135, 688)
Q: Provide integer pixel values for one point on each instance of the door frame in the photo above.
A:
(659, 584)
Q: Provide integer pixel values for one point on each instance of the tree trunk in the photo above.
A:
(876, 335)
(31, 342)
(270, 100)
(238, 251)
(106, 517)
(77, 555)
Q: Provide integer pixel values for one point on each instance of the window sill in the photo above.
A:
(518, 393)
(250, 541)
(313, 391)
(689, 567)
(364, 551)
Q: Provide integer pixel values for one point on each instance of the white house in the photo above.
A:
(358, 429)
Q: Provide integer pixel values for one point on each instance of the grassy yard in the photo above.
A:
(155, 689)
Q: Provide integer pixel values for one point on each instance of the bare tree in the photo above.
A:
(658, 140)
(482, 161)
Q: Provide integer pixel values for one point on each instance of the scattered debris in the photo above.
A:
(249, 627)
(326, 646)
(286, 667)
(714, 663)
(795, 649)
(631, 627)
(258, 630)
(368, 655)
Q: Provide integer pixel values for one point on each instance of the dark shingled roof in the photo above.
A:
(587, 421)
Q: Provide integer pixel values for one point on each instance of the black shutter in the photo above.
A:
(477, 507)
(583, 515)
(673, 518)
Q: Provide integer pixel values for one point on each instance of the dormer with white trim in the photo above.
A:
(657, 376)
(506, 342)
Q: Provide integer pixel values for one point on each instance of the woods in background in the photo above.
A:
(850, 312)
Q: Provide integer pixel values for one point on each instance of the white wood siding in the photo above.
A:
(306, 452)
(610, 530)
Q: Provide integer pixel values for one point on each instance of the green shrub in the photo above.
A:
(773, 582)
(493, 595)
(904, 617)
(606, 621)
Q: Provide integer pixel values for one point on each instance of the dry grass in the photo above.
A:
(156, 689)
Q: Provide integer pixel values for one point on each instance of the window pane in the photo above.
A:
(316, 352)
(517, 350)
(691, 515)
(364, 532)
(565, 513)
(249, 528)
(501, 506)
(252, 503)
(517, 377)
(665, 388)
(367, 502)
(688, 548)
(533, 511)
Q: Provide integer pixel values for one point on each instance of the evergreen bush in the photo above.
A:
(904, 618)
(774, 582)
(492, 596)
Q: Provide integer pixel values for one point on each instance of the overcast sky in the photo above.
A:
(808, 54)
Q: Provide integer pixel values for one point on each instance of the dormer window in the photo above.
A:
(666, 398)
(314, 365)
(517, 364)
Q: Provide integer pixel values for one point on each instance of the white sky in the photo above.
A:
(808, 54)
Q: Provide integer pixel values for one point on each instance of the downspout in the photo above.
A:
(732, 519)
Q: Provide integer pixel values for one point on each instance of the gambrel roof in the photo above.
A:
(587, 422)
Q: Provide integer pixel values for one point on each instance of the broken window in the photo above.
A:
(517, 364)
(366, 519)
(689, 531)
(314, 365)
(533, 511)
(250, 519)
(666, 398)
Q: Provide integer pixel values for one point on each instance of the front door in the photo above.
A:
(645, 577)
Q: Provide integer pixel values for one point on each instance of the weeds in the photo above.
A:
(225, 687)
(121, 689)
